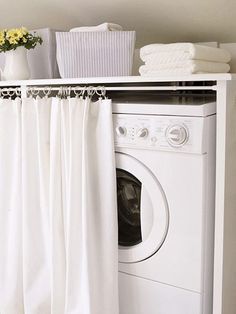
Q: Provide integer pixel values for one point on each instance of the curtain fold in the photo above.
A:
(58, 216)
(11, 255)
(35, 198)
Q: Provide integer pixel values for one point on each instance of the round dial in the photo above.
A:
(142, 133)
(121, 131)
(177, 135)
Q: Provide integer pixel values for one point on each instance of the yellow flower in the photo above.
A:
(18, 37)
(14, 35)
(13, 40)
(1, 34)
(2, 38)
(24, 30)
(9, 32)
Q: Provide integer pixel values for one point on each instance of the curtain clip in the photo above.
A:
(78, 91)
(47, 91)
(91, 91)
(101, 92)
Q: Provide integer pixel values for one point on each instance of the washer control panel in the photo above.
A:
(160, 132)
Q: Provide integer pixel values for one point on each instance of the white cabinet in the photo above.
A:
(224, 87)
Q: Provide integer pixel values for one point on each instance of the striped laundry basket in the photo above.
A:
(95, 54)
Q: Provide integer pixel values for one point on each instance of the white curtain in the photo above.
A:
(58, 217)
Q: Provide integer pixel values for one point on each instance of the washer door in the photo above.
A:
(143, 214)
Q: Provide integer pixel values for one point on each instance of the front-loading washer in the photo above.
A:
(165, 160)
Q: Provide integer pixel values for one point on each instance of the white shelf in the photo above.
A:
(123, 79)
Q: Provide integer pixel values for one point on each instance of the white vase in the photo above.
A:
(16, 65)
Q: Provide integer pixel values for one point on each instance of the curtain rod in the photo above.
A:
(65, 91)
(137, 88)
(124, 88)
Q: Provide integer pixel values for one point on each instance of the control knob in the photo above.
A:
(177, 135)
(142, 133)
(121, 131)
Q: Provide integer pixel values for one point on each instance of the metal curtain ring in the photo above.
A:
(28, 92)
(91, 91)
(34, 91)
(18, 92)
(47, 91)
(78, 91)
(101, 91)
(11, 93)
(5, 92)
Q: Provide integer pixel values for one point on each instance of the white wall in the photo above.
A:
(154, 20)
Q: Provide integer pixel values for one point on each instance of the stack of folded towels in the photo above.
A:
(183, 58)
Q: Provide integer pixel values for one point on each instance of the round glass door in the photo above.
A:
(129, 205)
(143, 215)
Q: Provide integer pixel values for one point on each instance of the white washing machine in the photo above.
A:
(165, 158)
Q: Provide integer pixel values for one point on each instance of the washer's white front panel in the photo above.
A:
(141, 296)
(179, 262)
(179, 152)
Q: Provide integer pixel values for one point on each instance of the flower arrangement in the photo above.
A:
(10, 39)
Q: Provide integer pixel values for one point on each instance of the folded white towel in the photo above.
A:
(168, 57)
(168, 72)
(189, 67)
(183, 51)
(104, 27)
(194, 65)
